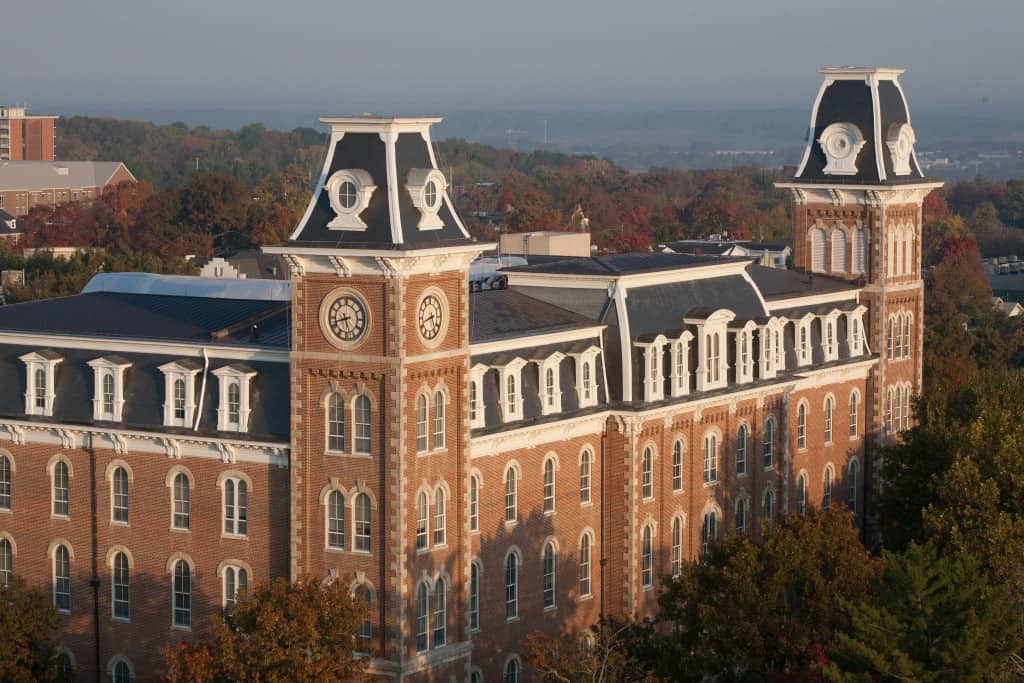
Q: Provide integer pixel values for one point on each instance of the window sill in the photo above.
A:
(709, 484)
(54, 515)
(511, 524)
(584, 598)
(120, 524)
(586, 503)
(6, 511)
(63, 611)
(356, 551)
(511, 620)
(440, 546)
(176, 530)
(475, 531)
(422, 551)
(647, 499)
(647, 588)
(237, 537)
(332, 549)
(549, 513)
(346, 454)
(550, 608)
(179, 627)
(741, 475)
(121, 620)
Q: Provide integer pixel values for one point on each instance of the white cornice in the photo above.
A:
(812, 300)
(859, 195)
(627, 280)
(104, 345)
(530, 342)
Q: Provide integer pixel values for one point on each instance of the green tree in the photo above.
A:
(27, 624)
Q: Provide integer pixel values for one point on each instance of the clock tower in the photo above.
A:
(379, 363)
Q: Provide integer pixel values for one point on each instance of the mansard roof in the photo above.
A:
(777, 283)
(507, 313)
(617, 264)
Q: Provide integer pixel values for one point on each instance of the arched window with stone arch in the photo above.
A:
(838, 250)
(741, 514)
(511, 494)
(801, 494)
(422, 520)
(362, 519)
(584, 568)
(549, 560)
(439, 420)
(677, 545)
(512, 561)
(422, 424)
(708, 529)
(549, 484)
(826, 496)
(335, 511)
(363, 442)
(585, 465)
(647, 557)
(827, 424)
(768, 451)
(854, 477)
(710, 458)
(741, 450)
(801, 426)
(335, 423)
(647, 473)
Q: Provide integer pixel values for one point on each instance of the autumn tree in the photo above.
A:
(280, 632)
(27, 624)
(612, 651)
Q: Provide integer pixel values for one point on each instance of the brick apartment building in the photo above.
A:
(27, 184)
(475, 464)
(24, 136)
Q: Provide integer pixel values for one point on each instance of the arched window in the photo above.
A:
(511, 495)
(586, 380)
(510, 395)
(512, 586)
(236, 582)
(585, 476)
(768, 506)
(838, 251)
(40, 389)
(549, 485)
(364, 594)
(65, 669)
(439, 517)
(234, 403)
(236, 506)
(439, 420)
(585, 565)
(363, 523)
(889, 338)
(182, 594)
(801, 494)
(828, 420)
(474, 596)
(741, 450)
(119, 587)
(801, 426)
(440, 613)
(179, 399)
(549, 387)
(335, 423)
(422, 515)
(830, 338)
(817, 250)
(422, 423)
(804, 348)
(647, 558)
(682, 376)
(336, 520)
(182, 501)
(744, 353)
(122, 672)
(61, 489)
(888, 410)
(898, 342)
(906, 407)
(853, 476)
(826, 497)
(677, 466)
(854, 398)
(741, 516)
(363, 440)
(5, 482)
(473, 398)
(6, 561)
(62, 579)
(677, 546)
(422, 617)
(647, 473)
(708, 530)
(710, 459)
(897, 416)
(906, 335)
(860, 251)
(548, 568)
(769, 442)
(474, 503)
(512, 671)
(119, 495)
(107, 391)
(716, 352)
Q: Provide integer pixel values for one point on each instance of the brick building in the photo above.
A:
(27, 184)
(475, 464)
(26, 137)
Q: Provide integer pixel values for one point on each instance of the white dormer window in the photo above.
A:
(803, 340)
(511, 390)
(841, 143)
(767, 352)
(550, 384)
(855, 331)
(476, 396)
(233, 405)
(712, 332)
(830, 342)
(108, 380)
(900, 142)
(745, 353)
(586, 376)
(426, 188)
(349, 191)
(681, 365)
(179, 392)
(654, 377)
(41, 380)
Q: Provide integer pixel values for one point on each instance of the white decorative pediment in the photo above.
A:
(349, 191)
(841, 143)
(900, 142)
(426, 188)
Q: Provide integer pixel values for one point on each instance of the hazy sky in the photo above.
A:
(439, 56)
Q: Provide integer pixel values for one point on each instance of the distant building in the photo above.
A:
(9, 227)
(251, 264)
(546, 243)
(1009, 309)
(777, 253)
(25, 137)
(26, 184)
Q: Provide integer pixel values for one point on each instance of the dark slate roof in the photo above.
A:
(507, 314)
(656, 308)
(5, 217)
(699, 247)
(617, 264)
(153, 317)
(778, 283)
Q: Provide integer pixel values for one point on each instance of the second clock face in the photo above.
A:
(430, 317)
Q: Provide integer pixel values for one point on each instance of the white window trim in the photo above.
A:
(553, 363)
(513, 368)
(226, 376)
(804, 352)
(46, 361)
(830, 352)
(766, 351)
(716, 323)
(236, 477)
(745, 371)
(173, 371)
(586, 357)
(116, 366)
(681, 378)
(654, 380)
(856, 344)
(476, 376)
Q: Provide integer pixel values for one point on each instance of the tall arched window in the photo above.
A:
(548, 562)
(898, 342)
(677, 466)
(549, 387)
(585, 476)
(769, 443)
(801, 495)
(647, 558)
(708, 530)
(830, 338)
(119, 495)
(889, 338)
(234, 403)
(741, 450)
(511, 398)
(335, 423)
(838, 251)
(61, 489)
(5, 482)
(474, 596)
(585, 565)
(122, 672)
(422, 520)
(119, 587)
(40, 388)
(62, 579)
(549, 485)
(741, 515)
(511, 495)
(363, 440)
(422, 617)
(906, 407)
(851, 501)
(854, 399)
(888, 410)
(474, 503)
(363, 523)
(860, 251)
(422, 424)
(768, 506)
(440, 515)
(897, 415)
(182, 501)
(906, 335)
(440, 613)
(179, 399)
(826, 497)
(677, 546)
(512, 671)
(363, 594)
(801, 426)
(236, 506)
(586, 381)
(473, 401)
(6, 561)
(828, 420)
(335, 520)
(647, 473)
(512, 586)
(710, 459)
(107, 395)
(182, 594)
(817, 250)
(439, 420)
(716, 353)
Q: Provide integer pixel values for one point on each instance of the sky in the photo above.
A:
(402, 57)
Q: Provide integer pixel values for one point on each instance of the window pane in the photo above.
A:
(421, 521)
(120, 510)
(585, 477)
(120, 596)
(511, 586)
(549, 485)
(336, 520)
(182, 594)
(440, 614)
(363, 440)
(62, 579)
(182, 501)
(474, 596)
(5, 482)
(585, 565)
(335, 423)
(422, 610)
(439, 420)
(61, 493)
(549, 575)
(363, 522)
(510, 495)
(6, 562)
(474, 503)
(439, 517)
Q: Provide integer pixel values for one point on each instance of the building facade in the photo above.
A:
(26, 137)
(476, 463)
(27, 184)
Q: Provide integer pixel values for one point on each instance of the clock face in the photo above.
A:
(346, 317)
(430, 317)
